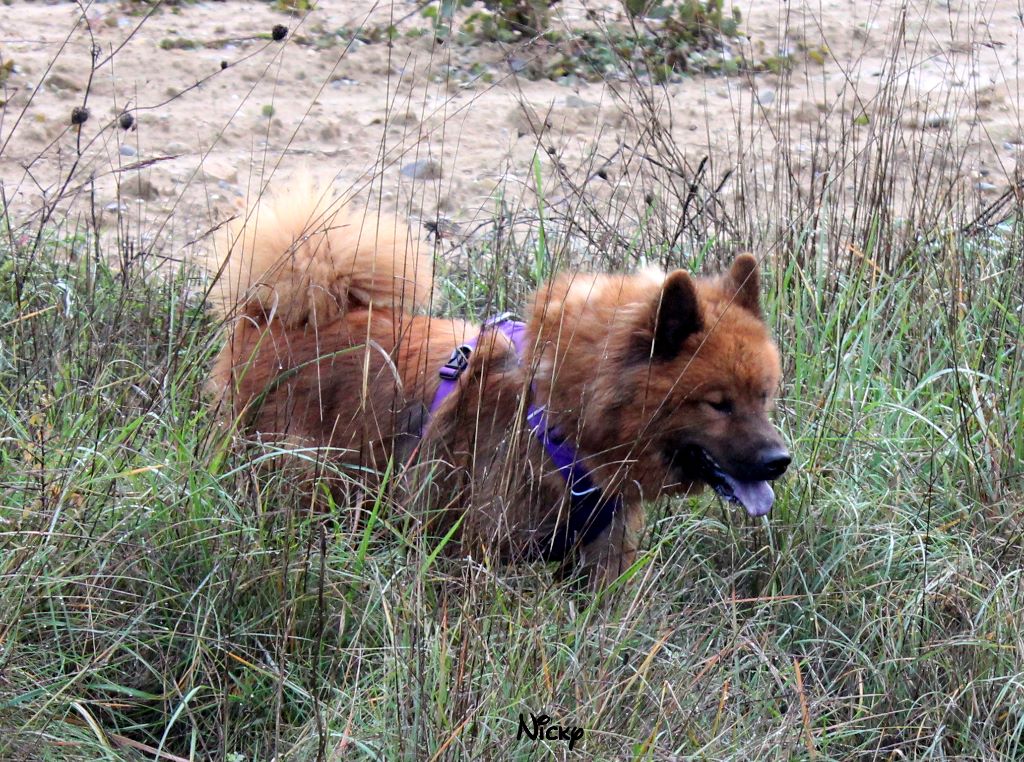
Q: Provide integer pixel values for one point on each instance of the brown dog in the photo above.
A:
(545, 439)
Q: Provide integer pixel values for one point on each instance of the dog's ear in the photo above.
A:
(745, 277)
(677, 315)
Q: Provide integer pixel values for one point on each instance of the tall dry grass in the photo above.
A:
(164, 596)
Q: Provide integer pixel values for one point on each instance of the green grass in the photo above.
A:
(163, 590)
(169, 588)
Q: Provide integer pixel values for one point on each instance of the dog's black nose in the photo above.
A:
(775, 462)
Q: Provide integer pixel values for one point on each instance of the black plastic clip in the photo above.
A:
(457, 363)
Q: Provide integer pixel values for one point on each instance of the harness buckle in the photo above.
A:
(497, 320)
(457, 363)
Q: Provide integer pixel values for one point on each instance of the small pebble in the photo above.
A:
(422, 170)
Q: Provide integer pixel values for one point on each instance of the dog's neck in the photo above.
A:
(591, 508)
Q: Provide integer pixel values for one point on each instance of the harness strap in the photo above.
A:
(590, 511)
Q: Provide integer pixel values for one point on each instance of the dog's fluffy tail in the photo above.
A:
(300, 257)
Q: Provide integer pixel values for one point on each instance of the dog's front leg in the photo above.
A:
(615, 549)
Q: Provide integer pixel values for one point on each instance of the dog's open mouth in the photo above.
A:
(756, 496)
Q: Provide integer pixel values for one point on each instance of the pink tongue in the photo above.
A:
(756, 497)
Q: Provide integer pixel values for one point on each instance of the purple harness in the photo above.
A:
(590, 512)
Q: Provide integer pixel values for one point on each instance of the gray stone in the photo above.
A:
(425, 169)
(62, 82)
(140, 188)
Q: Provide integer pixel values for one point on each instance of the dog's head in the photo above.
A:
(671, 378)
(715, 372)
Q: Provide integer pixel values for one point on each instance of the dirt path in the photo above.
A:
(443, 129)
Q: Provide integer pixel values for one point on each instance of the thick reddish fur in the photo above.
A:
(325, 349)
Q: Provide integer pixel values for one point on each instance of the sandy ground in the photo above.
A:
(429, 129)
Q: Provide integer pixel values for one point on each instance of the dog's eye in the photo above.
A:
(722, 406)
